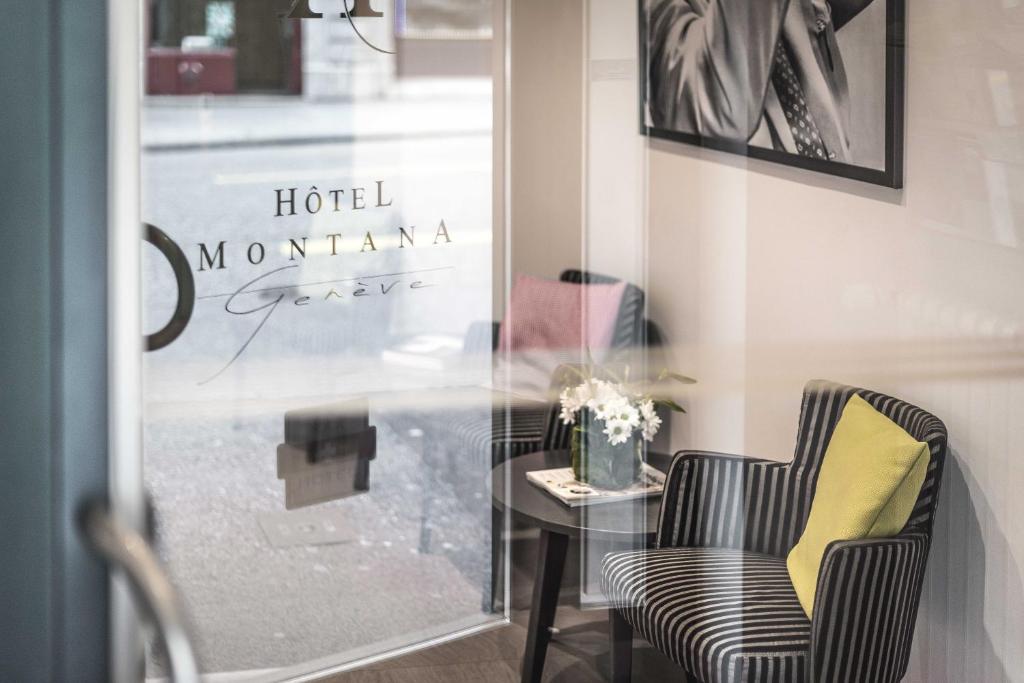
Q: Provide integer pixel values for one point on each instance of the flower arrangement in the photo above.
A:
(621, 412)
(612, 421)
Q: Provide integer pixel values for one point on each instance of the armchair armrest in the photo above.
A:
(720, 500)
(518, 429)
(865, 606)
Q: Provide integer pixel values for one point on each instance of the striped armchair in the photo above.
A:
(715, 596)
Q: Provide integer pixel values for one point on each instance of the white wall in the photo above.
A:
(614, 240)
(545, 142)
(765, 277)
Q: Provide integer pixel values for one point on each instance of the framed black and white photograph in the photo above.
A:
(816, 84)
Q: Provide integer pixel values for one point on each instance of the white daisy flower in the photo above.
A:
(650, 427)
(628, 414)
(571, 404)
(601, 394)
(617, 432)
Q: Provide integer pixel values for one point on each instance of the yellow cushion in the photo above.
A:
(870, 479)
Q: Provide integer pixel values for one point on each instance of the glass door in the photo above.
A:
(317, 189)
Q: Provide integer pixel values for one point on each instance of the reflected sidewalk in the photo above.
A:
(417, 110)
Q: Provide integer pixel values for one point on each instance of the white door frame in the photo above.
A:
(124, 366)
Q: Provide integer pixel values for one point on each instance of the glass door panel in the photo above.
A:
(319, 191)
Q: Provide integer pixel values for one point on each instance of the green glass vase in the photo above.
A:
(597, 463)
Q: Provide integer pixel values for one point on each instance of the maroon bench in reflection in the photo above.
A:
(173, 71)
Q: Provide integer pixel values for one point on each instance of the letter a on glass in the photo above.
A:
(362, 8)
(300, 10)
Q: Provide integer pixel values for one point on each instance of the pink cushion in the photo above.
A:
(546, 314)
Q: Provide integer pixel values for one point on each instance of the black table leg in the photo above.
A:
(550, 565)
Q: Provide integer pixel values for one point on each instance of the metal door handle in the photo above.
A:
(125, 549)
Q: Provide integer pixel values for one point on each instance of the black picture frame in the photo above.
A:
(895, 78)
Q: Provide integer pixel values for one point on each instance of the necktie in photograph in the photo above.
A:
(794, 106)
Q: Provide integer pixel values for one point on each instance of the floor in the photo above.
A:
(495, 657)
(492, 656)
(261, 593)
(578, 654)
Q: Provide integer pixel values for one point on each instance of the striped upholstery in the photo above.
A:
(868, 591)
(722, 614)
(762, 505)
(866, 606)
(507, 433)
(511, 430)
(736, 507)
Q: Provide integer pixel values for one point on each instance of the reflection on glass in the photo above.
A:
(220, 21)
(335, 216)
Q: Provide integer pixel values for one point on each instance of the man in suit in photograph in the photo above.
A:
(767, 73)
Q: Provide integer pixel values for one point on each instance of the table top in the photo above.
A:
(622, 520)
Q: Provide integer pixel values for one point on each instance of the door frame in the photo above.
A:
(53, 406)
(124, 313)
